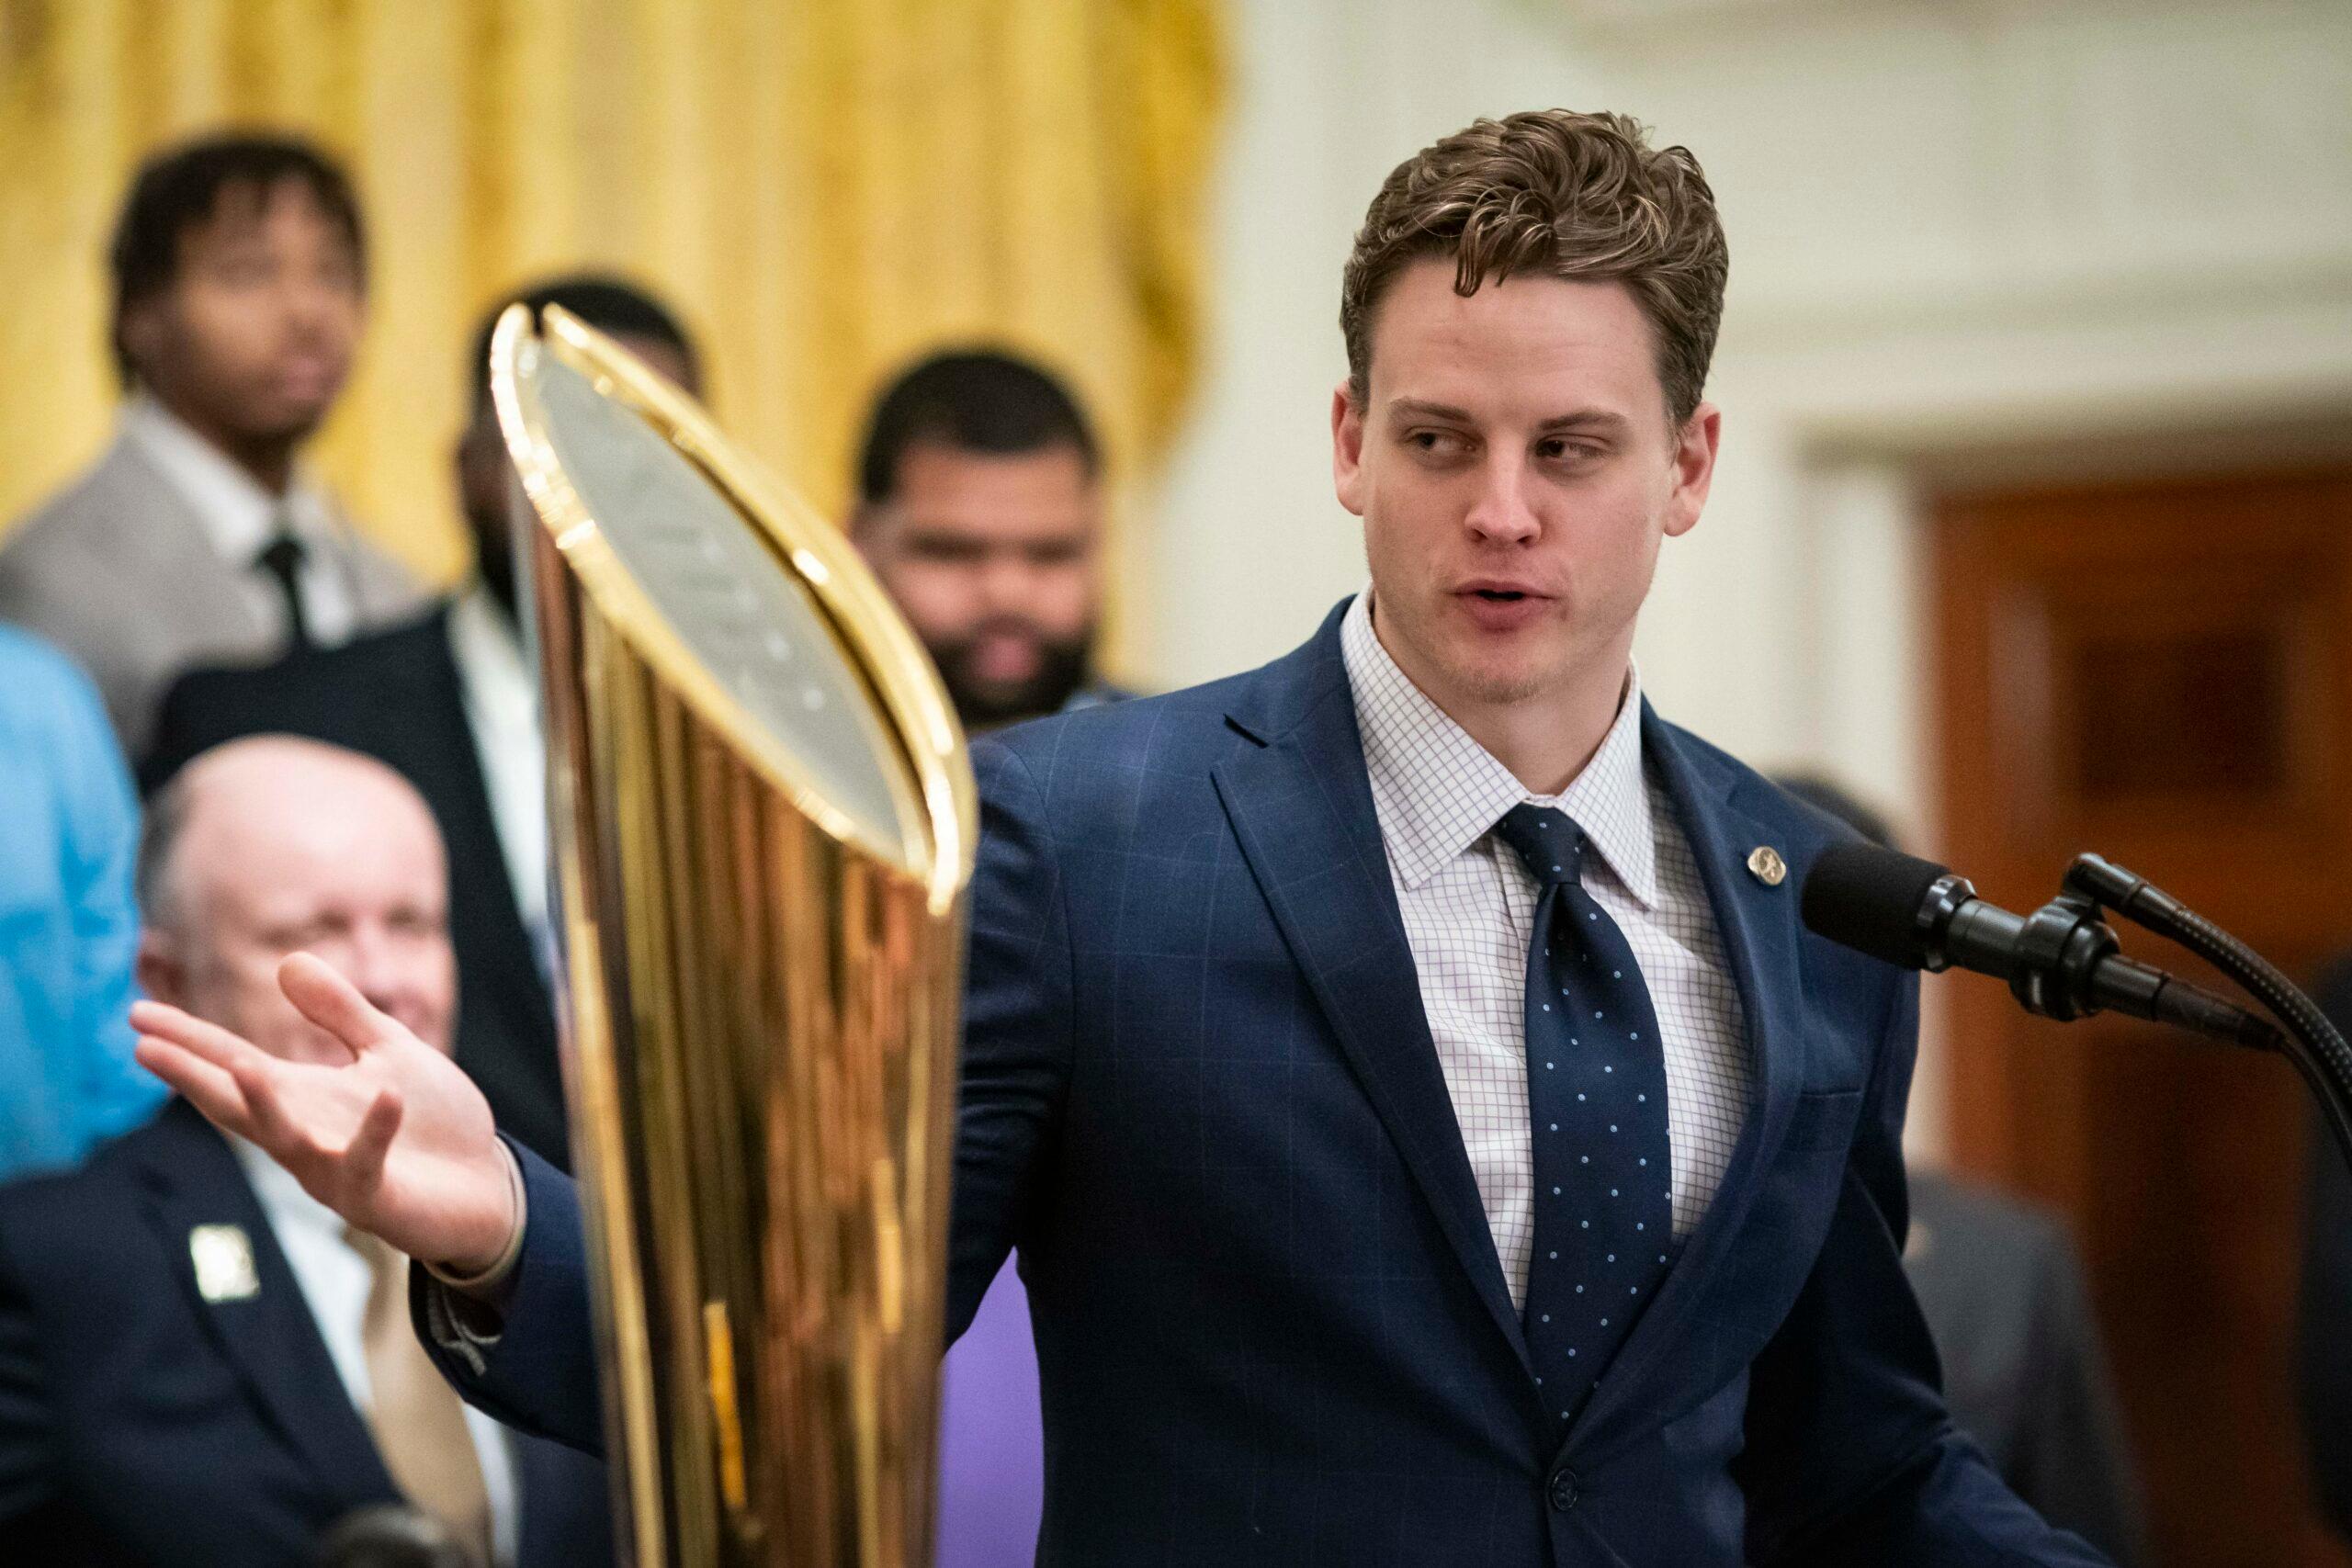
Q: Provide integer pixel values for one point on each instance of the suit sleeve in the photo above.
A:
(1851, 1459)
(1019, 1030)
(534, 1366)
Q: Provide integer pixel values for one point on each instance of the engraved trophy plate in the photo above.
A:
(762, 823)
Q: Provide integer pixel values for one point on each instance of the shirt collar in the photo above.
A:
(1438, 791)
(239, 517)
(489, 657)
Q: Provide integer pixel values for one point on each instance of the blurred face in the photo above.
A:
(993, 559)
(335, 857)
(1516, 470)
(254, 336)
(483, 471)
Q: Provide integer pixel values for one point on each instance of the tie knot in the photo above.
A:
(283, 554)
(1548, 842)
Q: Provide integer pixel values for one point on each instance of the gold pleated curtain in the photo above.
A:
(824, 187)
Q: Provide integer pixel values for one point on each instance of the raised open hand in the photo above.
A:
(397, 1140)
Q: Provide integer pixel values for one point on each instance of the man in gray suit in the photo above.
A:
(239, 294)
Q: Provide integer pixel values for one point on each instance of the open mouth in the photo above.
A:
(1497, 595)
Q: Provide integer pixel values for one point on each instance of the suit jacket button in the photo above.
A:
(1563, 1490)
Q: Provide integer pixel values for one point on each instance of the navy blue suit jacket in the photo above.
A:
(1200, 1096)
(143, 1426)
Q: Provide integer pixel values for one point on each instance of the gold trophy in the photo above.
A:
(762, 823)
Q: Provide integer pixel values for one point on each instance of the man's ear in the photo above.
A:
(1694, 468)
(1347, 447)
(865, 526)
(140, 332)
(159, 969)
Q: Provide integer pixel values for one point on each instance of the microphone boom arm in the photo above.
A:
(2304, 1035)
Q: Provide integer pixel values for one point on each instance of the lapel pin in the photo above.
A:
(224, 1263)
(1764, 863)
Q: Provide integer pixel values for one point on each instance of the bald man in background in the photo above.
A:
(199, 1363)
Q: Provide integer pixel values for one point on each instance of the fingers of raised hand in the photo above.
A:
(288, 1138)
(333, 1003)
(209, 1088)
(209, 1041)
(362, 1165)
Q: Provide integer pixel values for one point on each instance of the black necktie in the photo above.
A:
(282, 558)
(1596, 1100)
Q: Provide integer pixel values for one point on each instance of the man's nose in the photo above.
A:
(373, 965)
(1007, 583)
(1500, 514)
(309, 300)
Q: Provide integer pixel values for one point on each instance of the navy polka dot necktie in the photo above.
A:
(1596, 1101)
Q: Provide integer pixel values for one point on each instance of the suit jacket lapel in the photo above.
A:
(269, 1337)
(1301, 806)
(1758, 927)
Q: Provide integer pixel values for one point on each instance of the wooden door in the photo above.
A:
(2161, 671)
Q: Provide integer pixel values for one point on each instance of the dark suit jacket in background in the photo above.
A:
(1200, 1094)
(2024, 1370)
(2324, 1351)
(396, 695)
(143, 1426)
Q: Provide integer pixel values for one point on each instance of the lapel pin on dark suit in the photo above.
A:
(224, 1256)
(1764, 863)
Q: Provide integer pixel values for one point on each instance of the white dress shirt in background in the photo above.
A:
(501, 693)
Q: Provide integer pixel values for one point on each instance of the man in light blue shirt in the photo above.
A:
(69, 928)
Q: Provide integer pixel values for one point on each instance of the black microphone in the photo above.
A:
(2060, 962)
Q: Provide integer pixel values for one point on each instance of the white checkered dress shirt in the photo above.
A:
(1469, 909)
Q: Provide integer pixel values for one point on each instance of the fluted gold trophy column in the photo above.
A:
(762, 828)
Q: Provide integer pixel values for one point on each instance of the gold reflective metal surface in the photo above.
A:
(761, 937)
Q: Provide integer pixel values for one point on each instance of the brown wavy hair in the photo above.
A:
(1557, 194)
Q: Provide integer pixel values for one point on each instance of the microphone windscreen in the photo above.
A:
(1868, 898)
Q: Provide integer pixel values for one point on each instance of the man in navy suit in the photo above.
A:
(199, 1364)
(1429, 1134)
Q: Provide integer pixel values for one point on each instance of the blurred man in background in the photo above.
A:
(68, 927)
(240, 290)
(199, 1363)
(450, 701)
(2025, 1373)
(980, 509)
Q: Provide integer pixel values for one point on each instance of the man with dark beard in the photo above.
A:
(979, 507)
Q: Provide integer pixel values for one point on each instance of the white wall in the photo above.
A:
(1960, 231)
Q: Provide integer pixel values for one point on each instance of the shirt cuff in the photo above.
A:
(486, 1285)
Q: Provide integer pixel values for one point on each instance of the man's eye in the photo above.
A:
(1557, 451)
(1438, 442)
